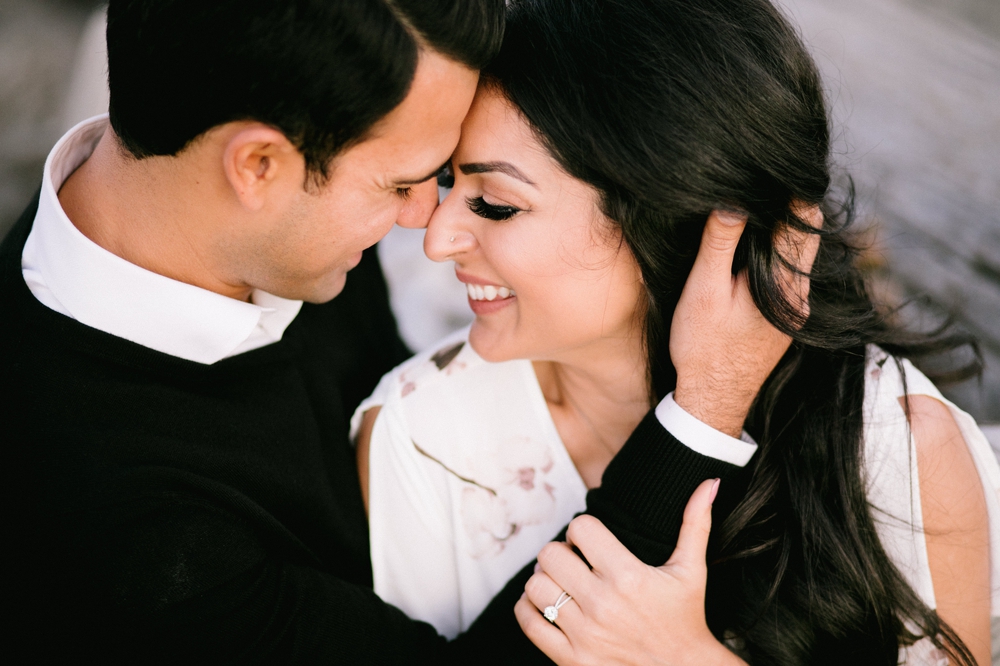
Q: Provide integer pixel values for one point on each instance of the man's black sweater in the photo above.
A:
(164, 511)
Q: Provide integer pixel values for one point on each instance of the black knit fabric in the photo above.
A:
(163, 511)
(641, 499)
(653, 464)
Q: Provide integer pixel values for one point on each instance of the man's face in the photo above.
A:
(319, 235)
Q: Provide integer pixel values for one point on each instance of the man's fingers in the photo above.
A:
(546, 636)
(799, 249)
(810, 214)
(692, 542)
(714, 263)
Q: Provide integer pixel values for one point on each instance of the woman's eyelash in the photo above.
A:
(479, 206)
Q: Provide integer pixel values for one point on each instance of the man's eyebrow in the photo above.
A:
(417, 181)
(505, 168)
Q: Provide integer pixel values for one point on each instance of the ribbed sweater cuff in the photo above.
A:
(646, 487)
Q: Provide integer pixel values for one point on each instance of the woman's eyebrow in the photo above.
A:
(505, 168)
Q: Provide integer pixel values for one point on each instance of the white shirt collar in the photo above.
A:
(71, 274)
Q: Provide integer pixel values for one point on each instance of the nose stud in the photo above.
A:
(451, 240)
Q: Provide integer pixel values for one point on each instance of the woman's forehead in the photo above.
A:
(495, 123)
(496, 131)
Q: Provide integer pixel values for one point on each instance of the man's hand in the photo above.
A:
(623, 611)
(720, 343)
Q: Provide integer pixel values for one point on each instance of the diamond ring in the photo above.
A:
(552, 612)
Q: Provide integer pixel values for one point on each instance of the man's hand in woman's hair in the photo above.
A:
(721, 345)
(623, 611)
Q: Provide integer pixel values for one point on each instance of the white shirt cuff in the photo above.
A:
(703, 438)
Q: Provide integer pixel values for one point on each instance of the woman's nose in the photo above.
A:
(448, 235)
(420, 206)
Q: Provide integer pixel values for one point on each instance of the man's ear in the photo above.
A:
(260, 162)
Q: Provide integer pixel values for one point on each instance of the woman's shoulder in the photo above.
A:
(889, 382)
(889, 377)
(400, 380)
(441, 374)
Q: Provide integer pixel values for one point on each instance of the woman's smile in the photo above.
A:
(530, 241)
(486, 297)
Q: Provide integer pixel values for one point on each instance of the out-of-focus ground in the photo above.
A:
(915, 89)
(38, 51)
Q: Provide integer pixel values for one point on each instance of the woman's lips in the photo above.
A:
(486, 298)
(484, 307)
(488, 292)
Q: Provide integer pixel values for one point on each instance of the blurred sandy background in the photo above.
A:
(915, 86)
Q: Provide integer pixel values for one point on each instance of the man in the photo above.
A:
(181, 351)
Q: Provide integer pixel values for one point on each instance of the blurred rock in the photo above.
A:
(38, 43)
(915, 90)
(88, 94)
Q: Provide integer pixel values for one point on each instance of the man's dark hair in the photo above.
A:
(321, 71)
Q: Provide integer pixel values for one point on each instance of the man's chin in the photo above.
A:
(318, 291)
(326, 290)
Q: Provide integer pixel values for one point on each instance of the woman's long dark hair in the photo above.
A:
(673, 108)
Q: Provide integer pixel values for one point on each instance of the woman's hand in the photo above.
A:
(720, 343)
(623, 611)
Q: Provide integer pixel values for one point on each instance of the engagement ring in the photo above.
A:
(552, 612)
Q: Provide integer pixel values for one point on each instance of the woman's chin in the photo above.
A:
(492, 346)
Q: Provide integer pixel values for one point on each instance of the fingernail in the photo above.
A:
(731, 217)
(538, 567)
(715, 491)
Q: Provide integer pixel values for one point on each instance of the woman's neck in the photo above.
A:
(597, 397)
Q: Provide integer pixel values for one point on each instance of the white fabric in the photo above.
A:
(443, 545)
(893, 482)
(703, 438)
(469, 479)
(74, 276)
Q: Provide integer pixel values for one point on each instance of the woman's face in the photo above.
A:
(548, 275)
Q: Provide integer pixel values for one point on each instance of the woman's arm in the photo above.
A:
(363, 446)
(956, 525)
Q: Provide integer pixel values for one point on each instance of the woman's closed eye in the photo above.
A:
(479, 206)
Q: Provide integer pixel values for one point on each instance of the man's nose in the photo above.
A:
(417, 210)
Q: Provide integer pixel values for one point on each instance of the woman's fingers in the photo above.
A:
(692, 542)
(558, 560)
(543, 592)
(602, 550)
(546, 636)
(626, 612)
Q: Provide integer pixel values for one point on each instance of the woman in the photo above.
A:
(599, 142)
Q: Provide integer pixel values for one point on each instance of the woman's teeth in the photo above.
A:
(488, 292)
